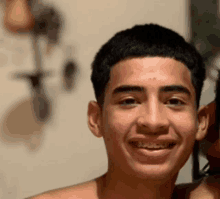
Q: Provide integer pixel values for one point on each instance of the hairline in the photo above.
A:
(102, 96)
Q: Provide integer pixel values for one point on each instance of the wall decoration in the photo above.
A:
(36, 20)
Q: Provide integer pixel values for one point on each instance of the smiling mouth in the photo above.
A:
(152, 146)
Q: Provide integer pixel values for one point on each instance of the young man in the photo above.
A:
(147, 82)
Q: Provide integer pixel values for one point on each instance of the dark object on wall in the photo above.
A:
(41, 105)
(68, 75)
(48, 23)
(40, 102)
(69, 70)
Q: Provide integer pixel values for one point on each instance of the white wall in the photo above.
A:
(64, 152)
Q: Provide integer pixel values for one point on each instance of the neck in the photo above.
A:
(128, 187)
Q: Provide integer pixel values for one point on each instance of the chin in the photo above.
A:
(154, 172)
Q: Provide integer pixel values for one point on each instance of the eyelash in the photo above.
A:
(177, 100)
(133, 102)
(123, 102)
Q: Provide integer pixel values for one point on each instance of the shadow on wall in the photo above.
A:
(19, 125)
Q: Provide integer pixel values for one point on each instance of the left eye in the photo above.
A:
(128, 102)
(175, 102)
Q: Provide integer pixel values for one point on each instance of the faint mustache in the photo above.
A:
(149, 131)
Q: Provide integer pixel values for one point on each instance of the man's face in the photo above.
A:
(149, 117)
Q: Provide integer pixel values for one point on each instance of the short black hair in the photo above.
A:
(149, 40)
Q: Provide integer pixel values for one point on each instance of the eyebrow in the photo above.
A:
(127, 89)
(175, 88)
(166, 89)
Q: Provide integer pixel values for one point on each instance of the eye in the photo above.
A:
(129, 101)
(175, 102)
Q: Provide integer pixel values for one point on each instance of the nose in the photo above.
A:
(153, 119)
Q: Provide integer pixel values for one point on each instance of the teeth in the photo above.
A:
(152, 145)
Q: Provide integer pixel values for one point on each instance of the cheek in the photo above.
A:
(185, 125)
(116, 127)
(118, 121)
(185, 129)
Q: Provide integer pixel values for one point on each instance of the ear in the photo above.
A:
(94, 118)
(203, 123)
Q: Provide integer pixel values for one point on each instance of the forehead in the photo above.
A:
(149, 72)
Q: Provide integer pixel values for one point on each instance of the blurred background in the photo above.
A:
(42, 150)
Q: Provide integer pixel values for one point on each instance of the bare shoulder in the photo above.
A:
(81, 191)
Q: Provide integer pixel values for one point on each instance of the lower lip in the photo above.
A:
(152, 155)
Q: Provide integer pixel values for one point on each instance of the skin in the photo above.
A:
(150, 100)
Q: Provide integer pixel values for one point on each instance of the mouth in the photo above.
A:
(152, 145)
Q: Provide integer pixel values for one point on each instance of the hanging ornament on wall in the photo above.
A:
(41, 105)
(40, 102)
(45, 21)
(18, 17)
(68, 75)
(69, 70)
(48, 23)
(39, 20)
